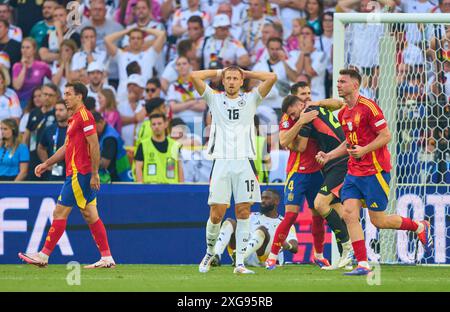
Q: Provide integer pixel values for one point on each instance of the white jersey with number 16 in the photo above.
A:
(232, 133)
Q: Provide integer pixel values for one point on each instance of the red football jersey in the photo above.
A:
(80, 126)
(301, 162)
(361, 125)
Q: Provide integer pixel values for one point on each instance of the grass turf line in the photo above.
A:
(180, 278)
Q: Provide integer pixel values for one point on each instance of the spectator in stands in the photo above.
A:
(180, 132)
(9, 101)
(158, 157)
(27, 13)
(311, 61)
(127, 11)
(143, 54)
(9, 48)
(61, 68)
(14, 156)
(293, 41)
(49, 50)
(54, 137)
(252, 28)
(153, 89)
(89, 53)
(442, 157)
(34, 102)
(442, 7)
(227, 9)
(314, 11)
(108, 109)
(41, 28)
(96, 81)
(180, 18)
(184, 101)
(114, 164)
(195, 30)
(221, 47)
(290, 11)
(14, 33)
(270, 30)
(184, 48)
(40, 118)
(440, 82)
(29, 72)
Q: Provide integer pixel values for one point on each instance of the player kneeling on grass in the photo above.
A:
(82, 154)
(262, 230)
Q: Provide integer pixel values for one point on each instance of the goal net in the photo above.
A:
(404, 60)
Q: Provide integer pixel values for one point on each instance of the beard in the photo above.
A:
(267, 209)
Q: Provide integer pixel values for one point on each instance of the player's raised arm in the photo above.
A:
(198, 78)
(268, 80)
(330, 104)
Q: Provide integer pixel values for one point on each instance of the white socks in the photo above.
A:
(242, 237)
(212, 231)
(224, 237)
(255, 243)
(43, 256)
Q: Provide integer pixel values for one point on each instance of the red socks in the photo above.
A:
(101, 239)
(54, 234)
(282, 231)
(359, 247)
(318, 233)
(408, 224)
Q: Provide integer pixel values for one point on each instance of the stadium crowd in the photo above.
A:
(135, 57)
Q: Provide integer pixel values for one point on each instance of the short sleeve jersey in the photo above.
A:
(78, 159)
(361, 125)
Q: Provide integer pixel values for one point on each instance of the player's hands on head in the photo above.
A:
(40, 169)
(322, 158)
(95, 181)
(357, 151)
(307, 117)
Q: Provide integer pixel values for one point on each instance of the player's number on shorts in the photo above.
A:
(250, 185)
(233, 114)
(331, 118)
(291, 185)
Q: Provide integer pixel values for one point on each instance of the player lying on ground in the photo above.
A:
(232, 146)
(82, 154)
(262, 228)
(367, 136)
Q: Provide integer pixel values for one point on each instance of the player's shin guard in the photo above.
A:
(54, 234)
(337, 226)
(226, 231)
(318, 233)
(242, 237)
(98, 232)
(255, 243)
(282, 231)
(212, 232)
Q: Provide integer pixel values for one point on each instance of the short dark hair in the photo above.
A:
(90, 103)
(195, 19)
(274, 192)
(54, 87)
(97, 117)
(298, 85)
(184, 46)
(133, 68)
(275, 39)
(88, 28)
(79, 89)
(288, 102)
(177, 122)
(152, 104)
(354, 74)
(154, 116)
(155, 81)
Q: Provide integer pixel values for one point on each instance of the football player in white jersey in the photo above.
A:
(232, 145)
(262, 225)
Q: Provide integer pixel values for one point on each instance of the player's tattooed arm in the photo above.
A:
(268, 80)
(198, 78)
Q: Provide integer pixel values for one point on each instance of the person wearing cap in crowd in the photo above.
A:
(132, 110)
(96, 76)
(88, 53)
(114, 164)
(145, 55)
(221, 48)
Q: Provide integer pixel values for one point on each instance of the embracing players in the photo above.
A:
(367, 136)
(82, 154)
(232, 144)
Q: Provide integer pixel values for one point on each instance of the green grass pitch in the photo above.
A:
(180, 278)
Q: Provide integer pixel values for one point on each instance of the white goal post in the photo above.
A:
(393, 247)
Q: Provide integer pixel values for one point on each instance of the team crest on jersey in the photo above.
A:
(357, 119)
(285, 124)
(241, 102)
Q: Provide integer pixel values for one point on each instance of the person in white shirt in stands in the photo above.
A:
(311, 61)
(96, 76)
(138, 51)
(290, 10)
(221, 47)
(88, 53)
(181, 17)
(235, 29)
(132, 110)
(14, 32)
